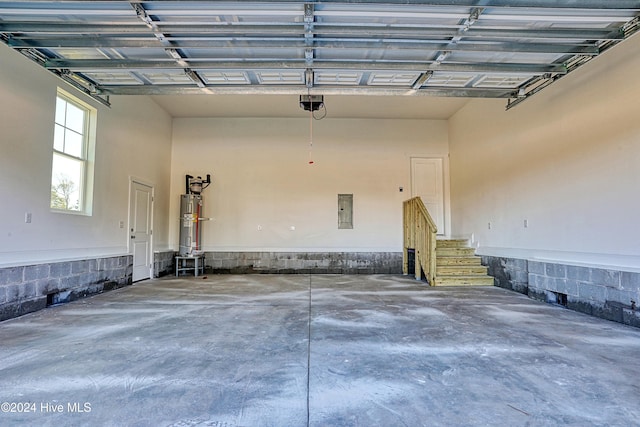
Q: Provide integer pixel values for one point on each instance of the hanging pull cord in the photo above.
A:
(310, 132)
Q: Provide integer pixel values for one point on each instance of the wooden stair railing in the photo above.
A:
(420, 235)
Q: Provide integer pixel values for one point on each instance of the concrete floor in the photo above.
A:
(384, 351)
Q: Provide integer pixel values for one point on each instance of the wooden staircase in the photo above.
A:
(457, 265)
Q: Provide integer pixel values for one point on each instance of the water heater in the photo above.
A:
(191, 216)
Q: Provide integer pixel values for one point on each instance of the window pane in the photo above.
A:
(66, 182)
(73, 143)
(75, 118)
(61, 106)
(58, 138)
(71, 187)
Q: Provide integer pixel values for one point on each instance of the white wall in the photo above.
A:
(133, 139)
(261, 177)
(567, 160)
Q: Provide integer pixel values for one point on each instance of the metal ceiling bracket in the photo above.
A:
(170, 49)
(92, 91)
(309, 20)
(631, 27)
(424, 78)
(308, 78)
(308, 56)
(142, 14)
(195, 77)
(308, 12)
(472, 19)
(79, 82)
(309, 52)
(442, 56)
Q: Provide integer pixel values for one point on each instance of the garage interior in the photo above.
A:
(320, 350)
(307, 130)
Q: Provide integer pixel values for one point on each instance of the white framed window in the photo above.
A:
(73, 155)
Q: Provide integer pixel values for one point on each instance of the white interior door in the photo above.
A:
(427, 181)
(140, 229)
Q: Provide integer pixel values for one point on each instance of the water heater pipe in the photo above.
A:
(197, 180)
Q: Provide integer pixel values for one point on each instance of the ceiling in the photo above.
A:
(450, 49)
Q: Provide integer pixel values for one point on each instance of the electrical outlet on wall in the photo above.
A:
(27, 217)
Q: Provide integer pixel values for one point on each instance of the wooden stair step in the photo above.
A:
(475, 260)
(458, 265)
(455, 252)
(463, 281)
(461, 270)
(452, 243)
